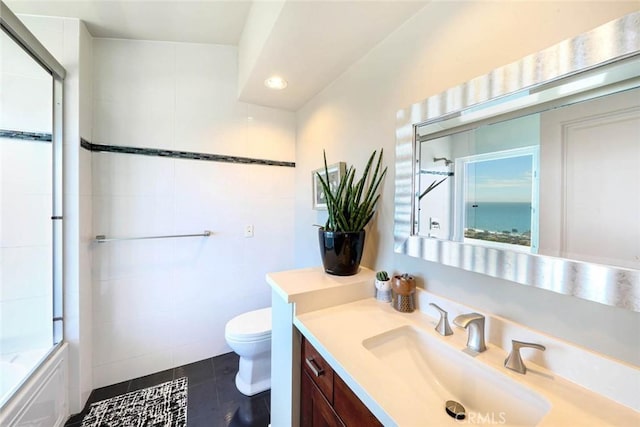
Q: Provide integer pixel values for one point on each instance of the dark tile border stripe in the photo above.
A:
(86, 144)
(27, 136)
(46, 137)
(436, 172)
(180, 154)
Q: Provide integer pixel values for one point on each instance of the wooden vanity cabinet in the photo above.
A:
(325, 399)
(315, 410)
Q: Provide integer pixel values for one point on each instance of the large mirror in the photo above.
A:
(532, 173)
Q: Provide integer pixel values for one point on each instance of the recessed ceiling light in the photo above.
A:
(275, 82)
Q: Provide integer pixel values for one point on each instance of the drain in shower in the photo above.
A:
(455, 410)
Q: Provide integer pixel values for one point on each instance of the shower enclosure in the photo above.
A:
(30, 205)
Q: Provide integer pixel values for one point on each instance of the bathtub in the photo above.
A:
(14, 369)
(41, 400)
(11, 375)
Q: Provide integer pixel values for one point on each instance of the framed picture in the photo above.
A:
(336, 173)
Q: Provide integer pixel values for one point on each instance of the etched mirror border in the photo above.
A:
(619, 287)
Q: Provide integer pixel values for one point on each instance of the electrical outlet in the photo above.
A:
(434, 223)
(248, 230)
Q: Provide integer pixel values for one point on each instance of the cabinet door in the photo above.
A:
(306, 400)
(315, 410)
(349, 408)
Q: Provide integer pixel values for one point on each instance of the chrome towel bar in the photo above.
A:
(101, 238)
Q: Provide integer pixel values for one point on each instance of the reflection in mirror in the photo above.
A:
(593, 150)
(531, 172)
(490, 190)
(482, 185)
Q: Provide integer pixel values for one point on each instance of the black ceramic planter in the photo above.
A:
(341, 251)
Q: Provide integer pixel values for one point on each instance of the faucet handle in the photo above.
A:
(514, 360)
(442, 327)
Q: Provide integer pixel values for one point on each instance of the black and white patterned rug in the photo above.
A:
(164, 405)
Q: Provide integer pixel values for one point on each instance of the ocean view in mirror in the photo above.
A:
(499, 221)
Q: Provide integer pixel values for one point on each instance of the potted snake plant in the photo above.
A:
(350, 207)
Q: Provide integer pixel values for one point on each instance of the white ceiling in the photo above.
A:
(219, 22)
(310, 44)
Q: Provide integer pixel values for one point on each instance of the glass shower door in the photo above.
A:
(26, 209)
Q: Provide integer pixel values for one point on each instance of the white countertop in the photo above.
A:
(296, 285)
(336, 314)
(312, 289)
(338, 332)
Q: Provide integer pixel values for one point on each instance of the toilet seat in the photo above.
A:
(252, 326)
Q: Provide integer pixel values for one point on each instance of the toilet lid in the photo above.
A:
(251, 326)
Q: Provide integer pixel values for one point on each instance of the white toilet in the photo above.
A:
(249, 335)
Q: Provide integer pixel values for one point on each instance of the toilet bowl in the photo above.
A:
(249, 336)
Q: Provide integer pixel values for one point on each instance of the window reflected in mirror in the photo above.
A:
(498, 198)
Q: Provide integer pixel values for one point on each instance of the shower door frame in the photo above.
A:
(20, 34)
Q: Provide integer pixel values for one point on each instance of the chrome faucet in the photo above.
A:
(474, 324)
(514, 360)
(442, 327)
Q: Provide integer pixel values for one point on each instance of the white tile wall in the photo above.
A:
(163, 303)
(19, 277)
(208, 116)
(26, 90)
(268, 134)
(26, 323)
(128, 175)
(19, 111)
(28, 223)
(15, 177)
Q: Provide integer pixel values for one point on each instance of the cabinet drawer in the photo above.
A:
(318, 369)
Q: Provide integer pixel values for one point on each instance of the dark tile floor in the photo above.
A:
(212, 397)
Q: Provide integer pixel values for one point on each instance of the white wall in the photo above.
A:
(444, 45)
(82, 372)
(163, 303)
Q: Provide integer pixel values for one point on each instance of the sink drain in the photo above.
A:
(455, 410)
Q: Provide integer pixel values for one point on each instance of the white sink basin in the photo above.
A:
(438, 372)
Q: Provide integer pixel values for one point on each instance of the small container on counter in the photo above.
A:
(404, 289)
(383, 286)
